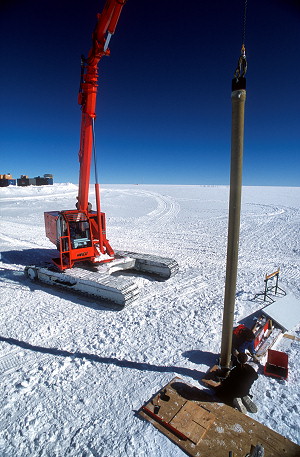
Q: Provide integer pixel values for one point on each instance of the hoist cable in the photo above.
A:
(94, 151)
(244, 22)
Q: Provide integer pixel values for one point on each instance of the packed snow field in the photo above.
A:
(74, 373)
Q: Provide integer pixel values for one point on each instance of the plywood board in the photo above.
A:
(284, 311)
(291, 337)
(229, 431)
(193, 421)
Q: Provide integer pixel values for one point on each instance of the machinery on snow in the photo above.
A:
(86, 260)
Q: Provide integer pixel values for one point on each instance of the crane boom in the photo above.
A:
(104, 29)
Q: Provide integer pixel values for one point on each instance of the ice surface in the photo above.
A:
(73, 373)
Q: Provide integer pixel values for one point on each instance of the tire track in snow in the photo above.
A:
(21, 392)
(14, 241)
(270, 227)
(9, 362)
(14, 359)
(187, 286)
(267, 210)
(166, 210)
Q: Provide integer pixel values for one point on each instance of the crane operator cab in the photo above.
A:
(71, 232)
(80, 235)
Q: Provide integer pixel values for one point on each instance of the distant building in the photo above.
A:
(7, 180)
(44, 181)
(24, 180)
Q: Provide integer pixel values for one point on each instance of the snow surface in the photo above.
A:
(73, 373)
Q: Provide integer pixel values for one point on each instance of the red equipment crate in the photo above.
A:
(277, 364)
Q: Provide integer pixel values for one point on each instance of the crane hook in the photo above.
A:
(241, 69)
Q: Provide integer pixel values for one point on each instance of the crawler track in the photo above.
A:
(99, 283)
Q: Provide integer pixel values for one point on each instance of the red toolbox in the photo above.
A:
(277, 364)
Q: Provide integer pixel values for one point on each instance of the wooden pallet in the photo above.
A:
(202, 427)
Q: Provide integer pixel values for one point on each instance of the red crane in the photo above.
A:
(80, 234)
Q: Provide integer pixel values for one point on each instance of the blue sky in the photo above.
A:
(164, 108)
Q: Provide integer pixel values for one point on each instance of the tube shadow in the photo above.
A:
(193, 393)
(105, 360)
(202, 357)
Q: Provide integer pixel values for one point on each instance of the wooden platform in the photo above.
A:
(204, 428)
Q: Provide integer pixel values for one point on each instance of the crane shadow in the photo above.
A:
(32, 256)
(20, 281)
(195, 374)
